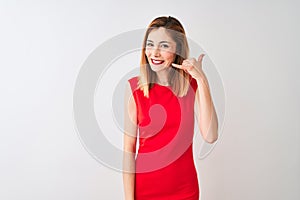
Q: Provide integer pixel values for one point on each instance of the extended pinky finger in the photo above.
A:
(177, 66)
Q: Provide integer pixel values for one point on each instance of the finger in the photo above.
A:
(186, 63)
(180, 67)
(201, 57)
(177, 66)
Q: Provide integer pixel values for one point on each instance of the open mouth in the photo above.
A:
(157, 62)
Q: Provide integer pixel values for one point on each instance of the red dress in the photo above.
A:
(165, 167)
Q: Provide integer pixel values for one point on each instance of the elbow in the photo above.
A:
(211, 137)
(210, 133)
(130, 148)
(211, 140)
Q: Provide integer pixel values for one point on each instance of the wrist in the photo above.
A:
(201, 80)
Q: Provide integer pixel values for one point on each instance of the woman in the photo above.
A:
(160, 104)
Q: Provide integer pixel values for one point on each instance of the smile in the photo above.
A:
(156, 62)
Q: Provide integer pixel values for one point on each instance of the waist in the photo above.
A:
(152, 161)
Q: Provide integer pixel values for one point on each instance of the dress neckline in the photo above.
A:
(162, 85)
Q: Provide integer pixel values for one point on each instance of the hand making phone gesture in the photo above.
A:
(193, 67)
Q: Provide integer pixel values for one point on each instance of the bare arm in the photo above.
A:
(204, 107)
(129, 148)
(205, 112)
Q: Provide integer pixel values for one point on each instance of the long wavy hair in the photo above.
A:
(178, 78)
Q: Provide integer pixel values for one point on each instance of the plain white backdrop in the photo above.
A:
(254, 45)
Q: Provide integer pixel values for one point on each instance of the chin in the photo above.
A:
(157, 68)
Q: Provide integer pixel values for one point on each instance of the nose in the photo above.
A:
(156, 52)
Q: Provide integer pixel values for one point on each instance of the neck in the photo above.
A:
(163, 77)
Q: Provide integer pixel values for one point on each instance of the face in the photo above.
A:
(160, 50)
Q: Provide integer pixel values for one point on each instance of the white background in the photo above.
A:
(254, 45)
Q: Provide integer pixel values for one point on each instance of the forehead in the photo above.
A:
(160, 34)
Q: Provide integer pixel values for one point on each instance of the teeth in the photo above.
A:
(157, 61)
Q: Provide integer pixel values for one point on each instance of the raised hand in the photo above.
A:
(193, 67)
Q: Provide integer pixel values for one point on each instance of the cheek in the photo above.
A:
(169, 56)
(147, 53)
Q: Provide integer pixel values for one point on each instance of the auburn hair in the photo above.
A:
(178, 78)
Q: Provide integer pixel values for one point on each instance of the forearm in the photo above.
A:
(129, 147)
(129, 175)
(208, 122)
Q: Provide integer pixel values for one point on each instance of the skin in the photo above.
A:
(129, 147)
(204, 107)
(161, 47)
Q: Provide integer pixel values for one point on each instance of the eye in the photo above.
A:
(149, 44)
(164, 45)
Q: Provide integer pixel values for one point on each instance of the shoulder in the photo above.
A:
(133, 81)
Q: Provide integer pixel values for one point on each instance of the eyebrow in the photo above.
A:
(159, 42)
